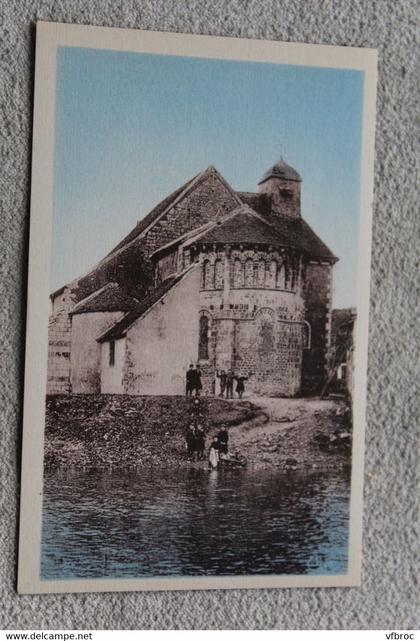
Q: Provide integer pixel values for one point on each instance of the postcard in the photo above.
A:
(198, 303)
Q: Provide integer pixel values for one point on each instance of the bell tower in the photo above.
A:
(282, 183)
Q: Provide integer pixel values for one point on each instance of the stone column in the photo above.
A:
(225, 343)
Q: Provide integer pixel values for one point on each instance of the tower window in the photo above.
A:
(286, 193)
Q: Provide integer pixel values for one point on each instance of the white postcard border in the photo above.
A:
(50, 36)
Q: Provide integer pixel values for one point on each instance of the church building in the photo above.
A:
(211, 276)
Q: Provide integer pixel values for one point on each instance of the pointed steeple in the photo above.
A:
(281, 170)
(282, 184)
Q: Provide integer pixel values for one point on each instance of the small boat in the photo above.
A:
(233, 460)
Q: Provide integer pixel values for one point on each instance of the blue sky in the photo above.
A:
(131, 128)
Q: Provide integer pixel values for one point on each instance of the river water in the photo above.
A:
(193, 522)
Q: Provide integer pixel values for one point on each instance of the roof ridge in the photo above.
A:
(226, 184)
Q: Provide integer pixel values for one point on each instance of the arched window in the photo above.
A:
(249, 272)
(261, 273)
(293, 273)
(272, 274)
(218, 274)
(207, 279)
(281, 277)
(288, 273)
(203, 344)
(306, 334)
(265, 337)
(237, 273)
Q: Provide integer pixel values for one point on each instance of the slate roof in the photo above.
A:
(301, 235)
(119, 328)
(129, 268)
(243, 226)
(181, 240)
(297, 230)
(281, 170)
(260, 203)
(110, 298)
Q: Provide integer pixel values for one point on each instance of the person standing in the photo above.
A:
(198, 383)
(190, 439)
(200, 441)
(190, 380)
(222, 379)
(240, 384)
(229, 384)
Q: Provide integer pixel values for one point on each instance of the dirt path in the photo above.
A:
(286, 429)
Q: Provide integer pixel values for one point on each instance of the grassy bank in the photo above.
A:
(132, 431)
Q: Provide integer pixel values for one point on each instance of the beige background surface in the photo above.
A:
(387, 597)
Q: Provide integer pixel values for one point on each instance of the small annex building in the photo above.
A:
(226, 279)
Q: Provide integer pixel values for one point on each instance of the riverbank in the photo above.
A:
(111, 431)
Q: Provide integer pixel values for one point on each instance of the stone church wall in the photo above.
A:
(59, 350)
(59, 345)
(86, 351)
(161, 345)
(318, 297)
(112, 373)
(260, 332)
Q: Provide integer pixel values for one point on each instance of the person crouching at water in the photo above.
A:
(190, 439)
(223, 440)
(214, 454)
(200, 442)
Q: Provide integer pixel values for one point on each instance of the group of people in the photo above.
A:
(193, 381)
(195, 440)
(226, 382)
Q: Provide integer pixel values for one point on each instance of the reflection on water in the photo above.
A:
(193, 522)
